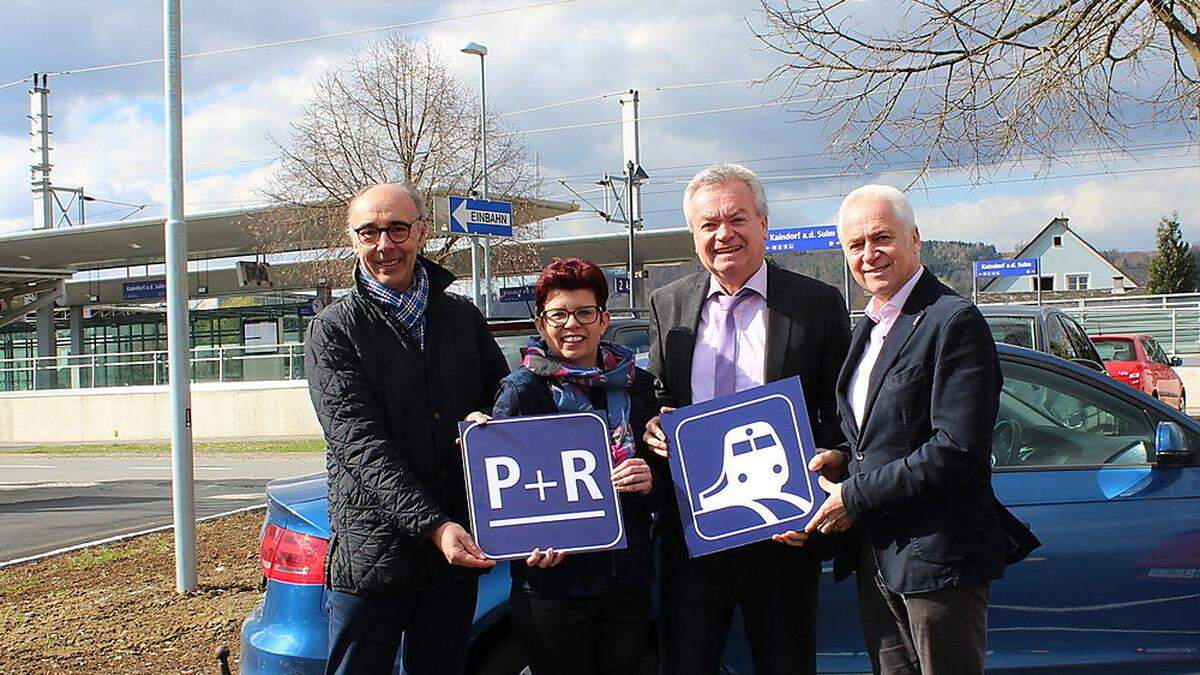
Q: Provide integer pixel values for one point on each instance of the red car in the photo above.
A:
(1138, 360)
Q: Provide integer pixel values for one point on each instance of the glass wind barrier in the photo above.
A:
(226, 363)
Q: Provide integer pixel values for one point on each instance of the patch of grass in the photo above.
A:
(136, 548)
(11, 616)
(93, 558)
(227, 447)
(15, 584)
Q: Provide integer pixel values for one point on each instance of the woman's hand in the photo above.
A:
(544, 559)
(478, 417)
(633, 475)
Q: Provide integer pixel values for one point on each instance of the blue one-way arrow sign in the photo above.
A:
(481, 216)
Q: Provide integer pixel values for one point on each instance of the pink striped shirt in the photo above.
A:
(750, 318)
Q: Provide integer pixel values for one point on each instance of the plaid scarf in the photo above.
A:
(615, 375)
(407, 307)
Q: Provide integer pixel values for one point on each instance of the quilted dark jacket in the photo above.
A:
(390, 412)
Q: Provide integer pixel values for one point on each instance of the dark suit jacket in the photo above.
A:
(808, 332)
(920, 465)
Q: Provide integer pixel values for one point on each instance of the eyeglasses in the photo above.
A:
(584, 316)
(399, 233)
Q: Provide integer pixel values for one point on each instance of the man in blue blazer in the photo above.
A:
(917, 396)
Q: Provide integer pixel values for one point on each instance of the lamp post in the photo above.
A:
(481, 51)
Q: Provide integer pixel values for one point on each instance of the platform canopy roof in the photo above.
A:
(217, 234)
(652, 247)
(24, 289)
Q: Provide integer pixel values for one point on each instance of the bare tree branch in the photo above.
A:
(962, 82)
(392, 112)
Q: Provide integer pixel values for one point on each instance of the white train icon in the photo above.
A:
(755, 468)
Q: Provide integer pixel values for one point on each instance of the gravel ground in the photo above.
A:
(114, 609)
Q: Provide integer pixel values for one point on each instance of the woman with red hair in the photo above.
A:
(585, 612)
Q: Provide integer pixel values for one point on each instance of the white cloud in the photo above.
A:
(114, 147)
(1118, 211)
(109, 131)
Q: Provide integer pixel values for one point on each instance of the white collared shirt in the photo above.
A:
(750, 319)
(884, 317)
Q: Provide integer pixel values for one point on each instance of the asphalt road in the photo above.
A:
(52, 502)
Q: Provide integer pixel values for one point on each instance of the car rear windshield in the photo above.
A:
(1116, 349)
(511, 346)
(1012, 330)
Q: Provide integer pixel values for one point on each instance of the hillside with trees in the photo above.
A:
(949, 260)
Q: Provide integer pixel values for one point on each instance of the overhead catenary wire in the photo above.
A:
(623, 92)
(826, 172)
(649, 118)
(299, 40)
(1007, 181)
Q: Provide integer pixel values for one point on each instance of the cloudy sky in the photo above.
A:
(108, 134)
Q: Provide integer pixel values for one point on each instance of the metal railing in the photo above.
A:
(222, 363)
(1183, 300)
(1175, 325)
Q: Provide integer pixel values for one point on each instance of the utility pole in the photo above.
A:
(632, 175)
(183, 492)
(631, 151)
(45, 334)
(39, 131)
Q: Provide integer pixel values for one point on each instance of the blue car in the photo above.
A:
(1107, 477)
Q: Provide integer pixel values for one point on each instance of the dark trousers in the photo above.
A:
(942, 632)
(365, 632)
(601, 635)
(775, 586)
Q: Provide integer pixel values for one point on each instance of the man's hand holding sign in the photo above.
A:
(831, 517)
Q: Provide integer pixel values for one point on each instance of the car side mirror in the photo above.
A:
(1170, 447)
(1176, 361)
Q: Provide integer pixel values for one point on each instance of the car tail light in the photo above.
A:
(290, 556)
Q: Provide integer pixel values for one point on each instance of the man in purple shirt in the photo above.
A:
(740, 323)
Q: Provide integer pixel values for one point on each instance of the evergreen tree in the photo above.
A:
(1172, 269)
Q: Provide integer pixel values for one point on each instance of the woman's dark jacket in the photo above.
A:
(593, 573)
(390, 412)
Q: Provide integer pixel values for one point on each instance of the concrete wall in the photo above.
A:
(118, 414)
(219, 411)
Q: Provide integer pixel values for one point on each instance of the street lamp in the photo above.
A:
(481, 51)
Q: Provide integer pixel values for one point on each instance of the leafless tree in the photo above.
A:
(967, 83)
(392, 112)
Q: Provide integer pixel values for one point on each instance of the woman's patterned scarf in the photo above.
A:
(614, 374)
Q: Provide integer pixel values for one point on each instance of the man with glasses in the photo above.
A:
(392, 367)
(739, 324)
